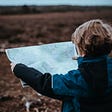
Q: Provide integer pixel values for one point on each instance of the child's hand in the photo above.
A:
(75, 57)
(12, 66)
(110, 55)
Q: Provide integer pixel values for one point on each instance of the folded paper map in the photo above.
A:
(53, 58)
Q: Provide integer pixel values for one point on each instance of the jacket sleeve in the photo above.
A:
(69, 84)
(38, 81)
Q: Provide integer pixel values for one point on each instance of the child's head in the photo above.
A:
(93, 38)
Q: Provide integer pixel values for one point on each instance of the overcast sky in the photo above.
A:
(56, 2)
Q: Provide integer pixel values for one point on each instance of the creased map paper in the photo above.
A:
(53, 58)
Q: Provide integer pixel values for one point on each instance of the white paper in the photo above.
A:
(53, 58)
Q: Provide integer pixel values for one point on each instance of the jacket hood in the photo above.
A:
(94, 71)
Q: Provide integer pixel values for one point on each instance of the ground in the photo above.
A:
(34, 29)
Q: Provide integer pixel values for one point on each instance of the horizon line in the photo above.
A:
(56, 5)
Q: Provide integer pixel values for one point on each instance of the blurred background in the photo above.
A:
(32, 22)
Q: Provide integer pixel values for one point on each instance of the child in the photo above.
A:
(87, 89)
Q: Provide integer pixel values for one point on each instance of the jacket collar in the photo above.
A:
(90, 59)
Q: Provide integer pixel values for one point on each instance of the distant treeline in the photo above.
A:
(7, 10)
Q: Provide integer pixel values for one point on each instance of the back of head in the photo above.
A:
(93, 38)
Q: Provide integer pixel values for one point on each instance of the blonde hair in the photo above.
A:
(93, 37)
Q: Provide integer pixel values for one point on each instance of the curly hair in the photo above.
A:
(93, 37)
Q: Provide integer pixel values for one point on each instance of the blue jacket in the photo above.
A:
(74, 83)
(87, 89)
